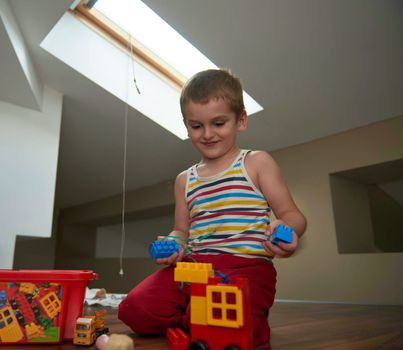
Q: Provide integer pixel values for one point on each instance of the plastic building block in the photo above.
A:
(51, 304)
(220, 312)
(3, 298)
(25, 308)
(177, 339)
(193, 272)
(281, 234)
(32, 331)
(226, 301)
(27, 288)
(163, 249)
(10, 330)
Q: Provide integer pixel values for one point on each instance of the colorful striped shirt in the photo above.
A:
(228, 214)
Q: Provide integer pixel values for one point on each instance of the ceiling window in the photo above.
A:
(151, 40)
(113, 42)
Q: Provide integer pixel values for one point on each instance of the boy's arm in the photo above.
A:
(271, 183)
(181, 224)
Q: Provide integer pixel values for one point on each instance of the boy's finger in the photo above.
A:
(287, 247)
(276, 250)
(180, 255)
(172, 259)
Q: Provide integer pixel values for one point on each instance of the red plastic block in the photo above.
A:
(177, 339)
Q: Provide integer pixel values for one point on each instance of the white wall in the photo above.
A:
(29, 146)
(30, 76)
(318, 271)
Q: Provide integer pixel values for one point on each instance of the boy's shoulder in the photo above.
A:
(259, 157)
(182, 176)
(259, 162)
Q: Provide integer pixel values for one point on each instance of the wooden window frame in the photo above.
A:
(104, 26)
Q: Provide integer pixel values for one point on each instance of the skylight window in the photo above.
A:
(177, 59)
(134, 17)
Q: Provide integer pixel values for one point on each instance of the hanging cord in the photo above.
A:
(123, 234)
(132, 60)
(126, 115)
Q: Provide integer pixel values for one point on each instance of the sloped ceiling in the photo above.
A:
(317, 67)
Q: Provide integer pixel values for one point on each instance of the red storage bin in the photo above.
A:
(41, 306)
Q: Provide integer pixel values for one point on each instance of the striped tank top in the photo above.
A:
(228, 214)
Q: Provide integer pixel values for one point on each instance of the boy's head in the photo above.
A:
(213, 84)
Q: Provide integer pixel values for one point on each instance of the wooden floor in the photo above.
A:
(301, 326)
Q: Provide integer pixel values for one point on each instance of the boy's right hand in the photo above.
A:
(175, 257)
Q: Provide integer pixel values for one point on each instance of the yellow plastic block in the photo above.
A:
(51, 304)
(10, 330)
(32, 330)
(27, 288)
(224, 306)
(193, 272)
(198, 313)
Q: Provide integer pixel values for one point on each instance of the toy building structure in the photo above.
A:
(220, 312)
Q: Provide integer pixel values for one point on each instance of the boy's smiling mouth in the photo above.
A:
(209, 143)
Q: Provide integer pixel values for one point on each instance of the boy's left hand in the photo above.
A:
(281, 250)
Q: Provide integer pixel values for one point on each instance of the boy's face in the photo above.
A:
(212, 127)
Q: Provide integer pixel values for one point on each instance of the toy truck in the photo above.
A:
(220, 312)
(89, 328)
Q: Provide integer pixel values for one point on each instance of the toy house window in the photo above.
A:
(224, 306)
(51, 305)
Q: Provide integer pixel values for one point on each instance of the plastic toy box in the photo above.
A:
(41, 306)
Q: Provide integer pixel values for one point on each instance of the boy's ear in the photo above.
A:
(242, 121)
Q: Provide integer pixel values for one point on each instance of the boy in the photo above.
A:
(222, 207)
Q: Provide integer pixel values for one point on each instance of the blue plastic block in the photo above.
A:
(3, 298)
(281, 234)
(163, 249)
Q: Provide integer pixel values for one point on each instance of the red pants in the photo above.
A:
(158, 303)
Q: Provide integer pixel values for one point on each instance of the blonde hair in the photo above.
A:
(213, 83)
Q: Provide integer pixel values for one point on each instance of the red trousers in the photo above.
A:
(158, 302)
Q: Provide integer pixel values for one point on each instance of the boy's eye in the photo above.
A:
(220, 123)
(195, 126)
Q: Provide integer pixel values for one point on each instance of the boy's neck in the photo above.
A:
(209, 167)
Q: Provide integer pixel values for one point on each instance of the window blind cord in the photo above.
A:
(126, 115)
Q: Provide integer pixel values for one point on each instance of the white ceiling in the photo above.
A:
(318, 67)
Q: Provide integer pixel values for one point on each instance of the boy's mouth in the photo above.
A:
(210, 143)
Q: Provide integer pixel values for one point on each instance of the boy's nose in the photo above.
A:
(208, 133)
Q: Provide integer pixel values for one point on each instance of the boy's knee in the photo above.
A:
(132, 312)
(261, 330)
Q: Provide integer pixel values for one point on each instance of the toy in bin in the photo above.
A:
(40, 306)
